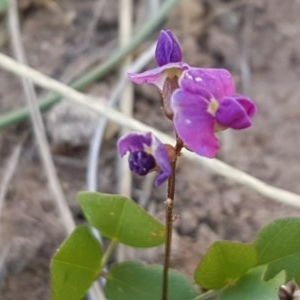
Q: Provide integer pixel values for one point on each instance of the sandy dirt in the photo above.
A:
(258, 41)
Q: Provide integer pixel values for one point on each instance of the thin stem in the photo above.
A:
(207, 295)
(169, 225)
(38, 125)
(169, 219)
(107, 254)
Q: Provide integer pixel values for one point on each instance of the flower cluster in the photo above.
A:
(200, 102)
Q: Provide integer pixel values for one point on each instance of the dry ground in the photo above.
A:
(259, 41)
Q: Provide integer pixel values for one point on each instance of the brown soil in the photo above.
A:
(258, 41)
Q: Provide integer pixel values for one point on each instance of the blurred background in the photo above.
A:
(258, 41)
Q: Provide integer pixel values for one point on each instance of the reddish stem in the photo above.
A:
(169, 219)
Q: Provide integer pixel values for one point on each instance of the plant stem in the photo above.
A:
(107, 254)
(169, 219)
(96, 73)
(207, 295)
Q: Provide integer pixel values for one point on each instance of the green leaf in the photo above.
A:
(224, 263)
(135, 281)
(278, 245)
(3, 6)
(121, 220)
(252, 287)
(76, 265)
(290, 264)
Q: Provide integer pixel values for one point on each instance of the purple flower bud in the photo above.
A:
(146, 154)
(168, 56)
(167, 49)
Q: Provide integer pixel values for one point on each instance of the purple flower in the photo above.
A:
(165, 78)
(167, 49)
(206, 103)
(199, 101)
(168, 56)
(146, 154)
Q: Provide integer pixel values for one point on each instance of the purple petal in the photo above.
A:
(235, 112)
(216, 82)
(158, 75)
(176, 55)
(193, 124)
(134, 142)
(162, 160)
(145, 142)
(247, 104)
(167, 49)
(141, 162)
(163, 49)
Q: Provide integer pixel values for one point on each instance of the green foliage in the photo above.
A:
(235, 270)
(121, 220)
(278, 246)
(3, 6)
(76, 265)
(276, 250)
(135, 281)
(224, 263)
(251, 286)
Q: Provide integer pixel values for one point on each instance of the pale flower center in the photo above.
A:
(213, 106)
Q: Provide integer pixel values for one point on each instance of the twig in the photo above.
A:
(153, 7)
(3, 254)
(37, 122)
(126, 106)
(206, 295)
(147, 185)
(126, 101)
(97, 11)
(97, 138)
(215, 165)
(223, 9)
(39, 131)
(146, 190)
(96, 141)
(245, 49)
(169, 220)
(9, 172)
(98, 72)
(245, 70)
